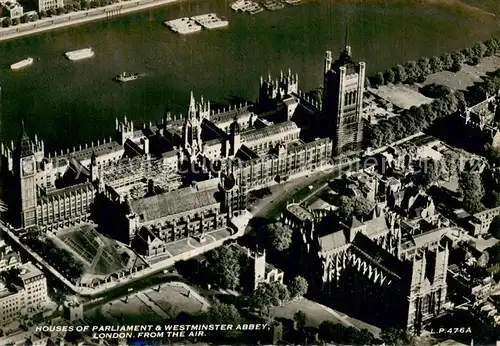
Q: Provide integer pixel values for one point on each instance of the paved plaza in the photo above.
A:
(154, 306)
(179, 247)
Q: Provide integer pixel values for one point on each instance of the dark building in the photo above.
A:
(344, 85)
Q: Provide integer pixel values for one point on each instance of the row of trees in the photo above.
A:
(411, 121)
(268, 295)
(417, 71)
(489, 86)
(225, 267)
(340, 334)
(429, 171)
(60, 259)
(83, 5)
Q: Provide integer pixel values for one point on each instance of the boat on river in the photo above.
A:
(125, 77)
(80, 54)
(21, 64)
(210, 21)
(273, 5)
(183, 25)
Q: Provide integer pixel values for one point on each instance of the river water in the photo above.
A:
(72, 102)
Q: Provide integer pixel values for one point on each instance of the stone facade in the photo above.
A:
(399, 278)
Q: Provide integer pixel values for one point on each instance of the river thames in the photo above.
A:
(67, 103)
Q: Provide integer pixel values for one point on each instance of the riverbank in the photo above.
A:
(75, 18)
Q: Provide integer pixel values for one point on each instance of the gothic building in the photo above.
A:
(186, 175)
(343, 102)
(386, 277)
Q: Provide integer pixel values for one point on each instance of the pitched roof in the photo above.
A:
(332, 241)
(300, 212)
(379, 257)
(263, 133)
(355, 223)
(172, 203)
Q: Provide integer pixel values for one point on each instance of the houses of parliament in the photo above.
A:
(188, 175)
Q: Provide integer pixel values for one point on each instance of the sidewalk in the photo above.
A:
(78, 17)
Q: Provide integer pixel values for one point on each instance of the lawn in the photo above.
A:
(103, 255)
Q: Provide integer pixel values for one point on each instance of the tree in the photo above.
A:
(428, 173)
(425, 66)
(409, 124)
(345, 207)
(389, 76)
(300, 319)
(282, 292)
(413, 71)
(492, 198)
(393, 336)
(221, 313)
(472, 191)
(495, 227)
(265, 297)
(400, 74)
(362, 206)
(337, 333)
(16, 21)
(458, 58)
(468, 54)
(6, 22)
(224, 267)
(455, 67)
(378, 79)
(34, 17)
(447, 61)
(52, 12)
(451, 163)
(493, 155)
(25, 18)
(77, 6)
(436, 64)
(479, 49)
(279, 236)
(298, 287)
(61, 10)
(491, 46)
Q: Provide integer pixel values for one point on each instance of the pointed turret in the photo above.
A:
(192, 103)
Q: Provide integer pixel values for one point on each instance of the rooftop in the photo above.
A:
(300, 212)
(59, 192)
(29, 271)
(259, 134)
(378, 256)
(99, 150)
(172, 203)
(332, 241)
(226, 116)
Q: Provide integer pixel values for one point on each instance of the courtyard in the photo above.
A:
(151, 306)
(400, 95)
(101, 256)
(185, 245)
(317, 313)
(467, 76)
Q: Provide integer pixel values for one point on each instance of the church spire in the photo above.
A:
(192, 103)
(346, 37)
(347, 49)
